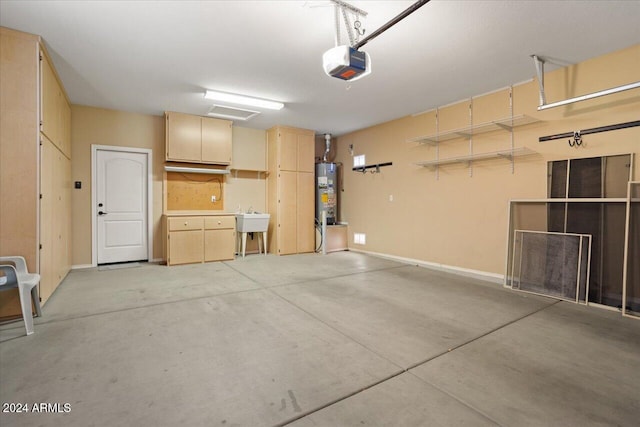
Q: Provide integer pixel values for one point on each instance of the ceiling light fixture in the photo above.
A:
(243, 100)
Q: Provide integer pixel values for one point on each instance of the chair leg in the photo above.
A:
(36, 300)
(27, 315)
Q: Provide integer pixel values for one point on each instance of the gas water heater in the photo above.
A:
(327, 186)
(327, 192)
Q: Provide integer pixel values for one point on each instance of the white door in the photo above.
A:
(121, 199)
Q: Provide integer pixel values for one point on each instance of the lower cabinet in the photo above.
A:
(219, 238)
(195, 239)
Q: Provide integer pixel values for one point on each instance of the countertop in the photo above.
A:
(198, 213)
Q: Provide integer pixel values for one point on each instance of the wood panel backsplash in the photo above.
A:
(193, 191)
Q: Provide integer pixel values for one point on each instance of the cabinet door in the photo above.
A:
(305, 212)
(47, 271)
(219, 244)
(288, 153)
(65, 125)
(185, 247)
(287, 217)
(216, 141)
(61, 214)
(50, 114)
(184, 137)
(306, 153)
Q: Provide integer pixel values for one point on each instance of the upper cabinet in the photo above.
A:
(198, 139)
(55, 121)
(296, 150)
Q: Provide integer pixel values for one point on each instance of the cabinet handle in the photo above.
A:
(186, 223)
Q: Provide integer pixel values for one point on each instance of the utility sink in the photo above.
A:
(252, 222)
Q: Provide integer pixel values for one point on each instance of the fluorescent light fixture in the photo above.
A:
(243, 100)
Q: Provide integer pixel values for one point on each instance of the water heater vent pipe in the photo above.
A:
(327, 141)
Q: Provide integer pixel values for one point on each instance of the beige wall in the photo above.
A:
(117, 128)
(461, 220)
(108, 127)
(246, 186)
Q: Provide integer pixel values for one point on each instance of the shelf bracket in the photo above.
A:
(507, 156)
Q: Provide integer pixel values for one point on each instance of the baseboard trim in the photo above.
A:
(81, 266)
(467, 272)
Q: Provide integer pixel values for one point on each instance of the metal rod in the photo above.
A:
(590, 96)
(377, 166)
(590, 131)
(408, 11)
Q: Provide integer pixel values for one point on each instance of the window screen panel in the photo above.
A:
(632, 296)
(557, 179)
(553, 264)
(617, 174)
(585, 178)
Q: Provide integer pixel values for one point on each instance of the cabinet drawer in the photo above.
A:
(186, 223)
(219, 222)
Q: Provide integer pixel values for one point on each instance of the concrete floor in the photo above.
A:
(309, 340)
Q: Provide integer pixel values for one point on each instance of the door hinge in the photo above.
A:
(40, 56)
(40, 196)
(40, 246)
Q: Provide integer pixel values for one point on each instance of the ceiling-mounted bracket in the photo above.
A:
(348, 13)
(539, 65)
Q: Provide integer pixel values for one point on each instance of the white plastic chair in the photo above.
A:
(17, 276)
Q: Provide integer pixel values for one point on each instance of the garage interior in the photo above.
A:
(443, 230)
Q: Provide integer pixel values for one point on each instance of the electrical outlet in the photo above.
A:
(213, 199)
(391, 197)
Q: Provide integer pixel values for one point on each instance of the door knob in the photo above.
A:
(101, 213)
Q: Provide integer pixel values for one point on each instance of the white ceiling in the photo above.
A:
(155, 56)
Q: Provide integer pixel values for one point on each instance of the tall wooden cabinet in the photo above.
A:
(35, 165)
(291, 190)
